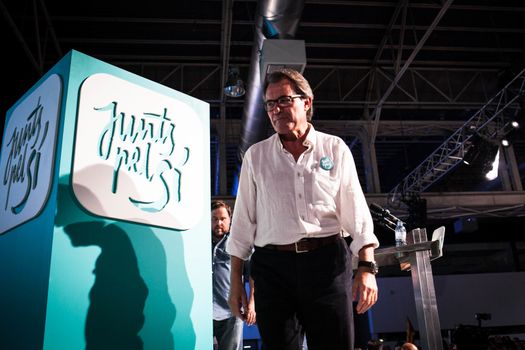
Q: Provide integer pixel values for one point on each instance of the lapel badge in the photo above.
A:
(326, 163)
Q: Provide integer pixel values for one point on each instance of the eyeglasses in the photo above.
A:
(281, 101)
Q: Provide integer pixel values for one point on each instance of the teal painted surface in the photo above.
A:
(72, 280)
(25, 253)
(124, 278)
(24, 268)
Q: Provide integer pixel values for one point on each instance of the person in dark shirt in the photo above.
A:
(227, 328)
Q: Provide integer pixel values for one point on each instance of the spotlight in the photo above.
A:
(511, 132)
(483, 154)
(470, 155)
(474, 150)
(234, 85)
(481, 150)
(491, 170)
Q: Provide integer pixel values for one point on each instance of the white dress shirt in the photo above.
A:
(280, 201)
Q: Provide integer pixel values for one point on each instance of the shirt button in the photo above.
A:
(299, 174)
(302, 217)
(300, 195)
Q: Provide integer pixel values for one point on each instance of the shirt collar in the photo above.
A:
(310, 137)
(216, 240)
(309, 141)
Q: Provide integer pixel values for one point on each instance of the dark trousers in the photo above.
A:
(307, 291)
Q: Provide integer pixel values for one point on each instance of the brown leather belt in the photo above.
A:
(305, 244)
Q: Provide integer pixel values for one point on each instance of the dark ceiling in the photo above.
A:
(394, 79)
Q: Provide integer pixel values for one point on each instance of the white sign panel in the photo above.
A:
(138, 154)
(28, 154)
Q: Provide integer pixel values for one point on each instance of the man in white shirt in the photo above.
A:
(298, 194)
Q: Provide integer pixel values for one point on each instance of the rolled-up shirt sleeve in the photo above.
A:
(243, 229)
(353, 210)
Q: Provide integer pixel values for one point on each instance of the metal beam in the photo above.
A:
(377, 111)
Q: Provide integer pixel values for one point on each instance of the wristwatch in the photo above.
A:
(370, 265)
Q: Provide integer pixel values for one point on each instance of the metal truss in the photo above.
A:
(490, 122)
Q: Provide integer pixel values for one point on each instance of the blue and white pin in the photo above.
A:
(326, 163)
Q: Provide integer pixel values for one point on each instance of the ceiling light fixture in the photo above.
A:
(234, 85)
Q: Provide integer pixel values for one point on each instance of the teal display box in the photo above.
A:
(104, 215)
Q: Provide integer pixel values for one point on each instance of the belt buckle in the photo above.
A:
(297, 250)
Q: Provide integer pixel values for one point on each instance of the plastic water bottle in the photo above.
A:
(401, 234)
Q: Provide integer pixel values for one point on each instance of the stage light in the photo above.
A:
(511, 133)
(492, 173)
(234, 85)
(471, 154)
(483, 154)
(474, 150)
(481, 148)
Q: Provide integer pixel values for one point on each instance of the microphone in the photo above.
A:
(383, 222)
(384, 214)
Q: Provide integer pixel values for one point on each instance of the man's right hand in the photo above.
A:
(237, 298)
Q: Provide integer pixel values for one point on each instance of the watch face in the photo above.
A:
(371, 265)
(375, 269)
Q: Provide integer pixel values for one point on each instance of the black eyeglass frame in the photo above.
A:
(281, 101)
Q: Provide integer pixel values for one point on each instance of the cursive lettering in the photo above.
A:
(23, 160)
(143, 145)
